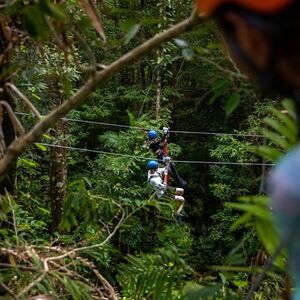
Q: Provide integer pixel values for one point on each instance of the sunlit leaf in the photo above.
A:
(47, 136)
(41, 147)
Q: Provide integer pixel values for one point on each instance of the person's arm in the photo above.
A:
(157, 183)
(166, 133)
(165, 136)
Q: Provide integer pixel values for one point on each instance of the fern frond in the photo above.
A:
(154, 276)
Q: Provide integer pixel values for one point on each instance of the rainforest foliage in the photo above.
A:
(78, 219)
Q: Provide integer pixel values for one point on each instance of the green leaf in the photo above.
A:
(65, 225)
(258, 199)
(52, 10)
(35, 22)
(44, 211)
(267, 152)
(41, 147)
(236, 259)
(289, 105)
(255, 210)
(3, 232)
(35, 259)
(131, 33)
(13, 7)
(277, 139)
(223, 278)
(88, 182)
(47, 136)
(196, 293)
(232, 104)
(240, 283)
(188, 53)
(267, 234)
(269, 238)
(219, 87)
(244, 219)
(201, 50)
(282, 129)
(288, 121)
(131, 117)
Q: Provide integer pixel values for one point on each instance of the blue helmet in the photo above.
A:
(152, 134)
(152, 164)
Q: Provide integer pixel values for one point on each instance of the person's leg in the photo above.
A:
(179, 180)
(180, 200)
(179, 191)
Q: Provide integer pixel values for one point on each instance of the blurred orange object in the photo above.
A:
(208, 7)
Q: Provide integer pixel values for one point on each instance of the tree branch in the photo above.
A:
(102, 280)
(15, 121)
(25, 268)
(19, 145)
(238, 74)
(27, 102)
(2, 285)
(32, 285)
(108, 238)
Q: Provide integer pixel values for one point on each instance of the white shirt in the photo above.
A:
(156, 180)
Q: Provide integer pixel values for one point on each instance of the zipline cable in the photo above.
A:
(147, 129)
(147, 158)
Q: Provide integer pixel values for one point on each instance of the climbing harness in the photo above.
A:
(167, 161)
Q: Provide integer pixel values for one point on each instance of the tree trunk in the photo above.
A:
(58, 165)
(58, 173)
(158, 92)
(7, 132)
(160, 54)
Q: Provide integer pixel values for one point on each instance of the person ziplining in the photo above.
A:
(158, 178)
(159, 148)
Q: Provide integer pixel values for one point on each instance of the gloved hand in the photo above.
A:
(165, 130)
(167, 159)
(163, 186)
